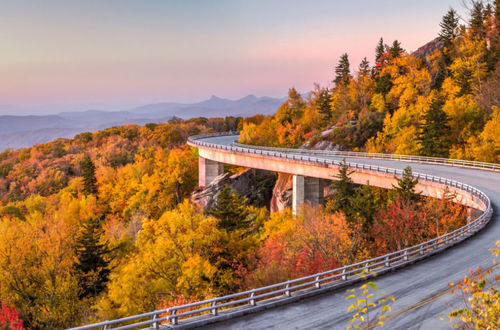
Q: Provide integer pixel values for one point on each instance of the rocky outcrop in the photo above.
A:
(325, 145)
(426, 50)
(282, 192)
(255, 185)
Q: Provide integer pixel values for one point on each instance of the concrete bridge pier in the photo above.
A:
(208, 171)
(306, 189)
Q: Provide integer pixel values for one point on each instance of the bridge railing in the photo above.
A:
(356, 154)
(331, 278)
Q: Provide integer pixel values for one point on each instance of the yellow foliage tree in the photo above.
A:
(486, 147)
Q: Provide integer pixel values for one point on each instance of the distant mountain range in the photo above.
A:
(25, 131)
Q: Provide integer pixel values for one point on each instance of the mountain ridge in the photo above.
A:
(19, 131)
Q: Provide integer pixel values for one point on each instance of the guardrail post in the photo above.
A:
(105, 327)
(405, 255)
(344, 275)
(214, 310)
(287, 292)
(387, 263)
(421, 250)
(252, 301)
(367, 267)
(173, 318)
(317, 284)
(156, 324)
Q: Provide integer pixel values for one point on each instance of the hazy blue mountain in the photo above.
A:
(24, 139)
(10, 124)
(213, 107)
(24, 131)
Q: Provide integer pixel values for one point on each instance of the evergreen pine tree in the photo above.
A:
(323, 105)
(488, 11)
(344, 190)
(364, 206)
(477, 19)
(231, 210)
(463, 79)
(379, 51)
(364, 68)
(434, 132)
(449, 25)
(91, 264)
(343, 71)
(395, 50)
(406, 186)
(88, 173)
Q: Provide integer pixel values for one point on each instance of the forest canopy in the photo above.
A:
(101, 226)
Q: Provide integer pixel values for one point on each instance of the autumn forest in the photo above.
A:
(104, 225)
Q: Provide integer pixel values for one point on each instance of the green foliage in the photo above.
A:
(91, 254)
(379, 51)
(449, 26)
(83, 138)
(88, 174)
(364, 206)
(342, 71)
(323, 104)
(344, 189)
(12, 211)
(5, 170)
(395, 50)
(434, 135)
(364, 68)
(405, 188)
(477, 17)
(231, 210)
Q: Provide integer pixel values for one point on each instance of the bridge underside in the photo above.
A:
(208, 171)
(306, 189)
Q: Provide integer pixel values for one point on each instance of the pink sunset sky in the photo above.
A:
(58, 55)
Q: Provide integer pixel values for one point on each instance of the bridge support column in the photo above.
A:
(306, 189)
(208, 171)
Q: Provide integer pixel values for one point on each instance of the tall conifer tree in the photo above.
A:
(406, 186)
(343, 71)
(395, 50)
(379, 51)
(477, 19)
(231, 210)
(364, 68)
(344, 190)
(88, 173)
(91, 265)
(449, 25)
(434, 132)
(323, 104)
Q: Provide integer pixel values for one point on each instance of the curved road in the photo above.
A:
(421, 290)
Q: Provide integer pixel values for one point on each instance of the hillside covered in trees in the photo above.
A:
(443, 100)
(101, 226)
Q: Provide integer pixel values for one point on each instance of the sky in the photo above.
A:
(58, 55)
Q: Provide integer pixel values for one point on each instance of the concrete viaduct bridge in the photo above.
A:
(317, 301)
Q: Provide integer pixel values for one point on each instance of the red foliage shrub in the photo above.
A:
(9, 318)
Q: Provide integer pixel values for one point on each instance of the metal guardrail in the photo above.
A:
(409, 158)
(283, 290)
